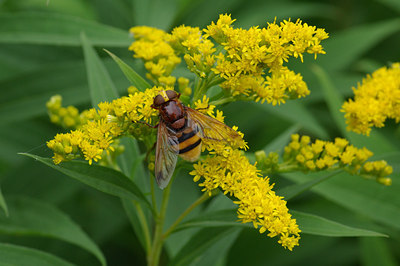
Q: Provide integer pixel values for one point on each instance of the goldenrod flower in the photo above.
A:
(160, 58)
(250, 63)
(375, 99)
(250, 54)
(66, 117)
(324, 155)
(228, 169)
(100, 128)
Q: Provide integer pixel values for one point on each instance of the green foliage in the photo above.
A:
(100, 84)
(18, 255)
(58, 49)
(30, 217)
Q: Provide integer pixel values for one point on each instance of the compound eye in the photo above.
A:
(158, 100)
(171, 94)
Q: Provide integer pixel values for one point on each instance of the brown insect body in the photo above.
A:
(173, 114)
(180, 131)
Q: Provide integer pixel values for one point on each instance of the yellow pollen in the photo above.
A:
(164, 95)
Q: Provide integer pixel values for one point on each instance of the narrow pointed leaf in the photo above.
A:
(297, 112)
(35, 218)
(345, 47)
(134, 78)
(316, 225)
(282, 140)
(100, 84)
(3, 203)
(212, 219)
(219, 251)
(308, 223)
(375, 251)
(139, 223)
(13, 255)
(199, 243)
(131, 164)
(255, 14)
(101, 178)
(57, 29)
(294, 190)
(366, 197)
(392, 4)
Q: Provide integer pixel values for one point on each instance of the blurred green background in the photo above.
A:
(41, 55)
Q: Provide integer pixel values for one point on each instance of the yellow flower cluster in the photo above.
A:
(91, 140)
(375, 99)
(250, 53)
(198, 51)
(66, 117)
(228, 169)
(321, 155)
(160, 58)
(250, 64)
(101, 127)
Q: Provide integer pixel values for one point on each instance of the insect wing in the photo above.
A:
(213, 129)
(166, 155)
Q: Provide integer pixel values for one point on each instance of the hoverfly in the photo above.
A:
(180, 132)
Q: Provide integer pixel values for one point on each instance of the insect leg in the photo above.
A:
(147, 124)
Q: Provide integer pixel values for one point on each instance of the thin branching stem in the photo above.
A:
(199, 201)
(158, 239)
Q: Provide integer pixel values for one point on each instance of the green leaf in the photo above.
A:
(72, 7)
(334, 100)
(375, 251)
(296, 112)
(346, 46)
(101, 178)
(13, 255)
(199, 243)
(131, 164)
(282, 140)
(3, 204)
(138, 221)
(290, 192)
(33, 217)
(255, 14)
(309, 224)
(366, 197)
(392, 4)
(45, 82)
(332, 97)
(316, 225)
(57, 29)
(101, 87)
(217, 253)
(135, 79)
(155, 13)
(219, 218)
(192, 15)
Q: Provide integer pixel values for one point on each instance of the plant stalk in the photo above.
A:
(154, 254)
(200, 200)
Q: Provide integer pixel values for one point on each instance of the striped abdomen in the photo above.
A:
(189, 144)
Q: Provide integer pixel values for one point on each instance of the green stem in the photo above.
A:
(143, 223)
(200, 200)
(287, 167)
(216, 81)
(153, 194)
(199, 90)
(158, 239)
(223, 101)
(204, 84)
